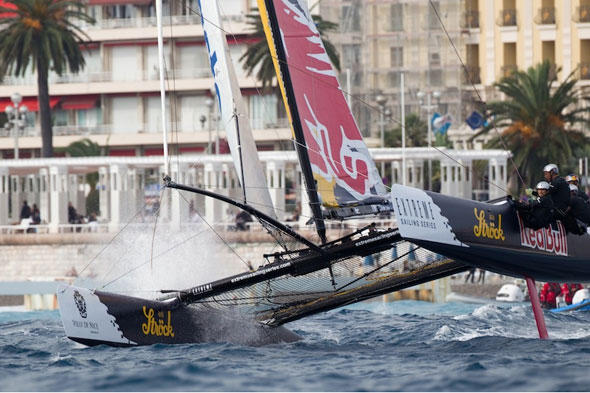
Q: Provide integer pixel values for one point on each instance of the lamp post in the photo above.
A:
(209, 102)
(16, 115)
(429, 107)
(381, 100)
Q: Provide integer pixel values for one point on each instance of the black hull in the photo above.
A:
(491, 237)
(95, 318)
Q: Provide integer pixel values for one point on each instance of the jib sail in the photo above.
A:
(233, 112)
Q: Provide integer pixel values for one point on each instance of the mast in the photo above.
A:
(280, 62)
(162, 83)
(241, 159)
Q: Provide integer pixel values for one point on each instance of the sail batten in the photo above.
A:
(342, 170)
(233, 110)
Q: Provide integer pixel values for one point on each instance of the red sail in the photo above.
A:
(343, 169)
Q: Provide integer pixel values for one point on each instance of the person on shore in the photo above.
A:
(549, 294)
(471, 275)
(242, 218)
(573, 180)
(35, 215)
(25, 211)
(559, 190)
(73, 217)
(568, 291)
(482, 276)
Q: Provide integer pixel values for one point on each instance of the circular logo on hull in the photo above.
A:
(80, 303)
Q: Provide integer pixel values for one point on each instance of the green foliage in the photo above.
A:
(541, 121)
(42, 34)
(258, 59)
(416, 133)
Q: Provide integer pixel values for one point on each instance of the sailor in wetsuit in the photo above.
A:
(559, 190)
(573, 179)
(578, 208)
(537, 214)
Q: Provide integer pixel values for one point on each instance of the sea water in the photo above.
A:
(404, 345)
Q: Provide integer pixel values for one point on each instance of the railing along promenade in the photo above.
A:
(102, 232)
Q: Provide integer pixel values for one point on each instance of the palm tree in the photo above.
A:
(540, 120)
(258, 58)
(42, 33)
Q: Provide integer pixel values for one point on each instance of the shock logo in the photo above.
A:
(488, 229)
(157, 328)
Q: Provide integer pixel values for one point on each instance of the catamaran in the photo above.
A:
(342, 182)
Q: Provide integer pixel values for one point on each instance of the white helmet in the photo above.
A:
(573, 187)
(543, 185)
(551, 168)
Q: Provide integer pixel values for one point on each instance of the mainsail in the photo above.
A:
(233, 111)
(339, 171)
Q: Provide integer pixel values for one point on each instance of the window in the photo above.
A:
(433, 22)
(397, 57)
(124, 115)
(351, 20)
(263, 111)
(351, 54)
(396, 17)
(434, 59)
(124, 63)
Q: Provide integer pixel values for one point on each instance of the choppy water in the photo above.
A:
(405, 345)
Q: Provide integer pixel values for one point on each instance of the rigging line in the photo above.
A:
(113, 238)
(149, 261)
(214, 231)
(474, 87)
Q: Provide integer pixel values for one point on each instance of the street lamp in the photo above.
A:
(429, 107)
(17, 116)
(381, 100)
(209, 102)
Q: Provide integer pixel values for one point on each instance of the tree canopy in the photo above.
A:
(540, 120)
(42, 34)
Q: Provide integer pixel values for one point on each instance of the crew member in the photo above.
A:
(578, 208)
(573, 179)
(559, 191)
(537, 214)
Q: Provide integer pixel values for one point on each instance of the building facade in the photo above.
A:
(115, 100)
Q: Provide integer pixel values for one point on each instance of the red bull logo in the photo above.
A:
(544, 239)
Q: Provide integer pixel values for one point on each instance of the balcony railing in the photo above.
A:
(582, 14)
(508, 70)
(507, 18)
(471, 75)
(107, 76)
(122, 23)
(470, 20)
(545, 16)
(147, 128)
(584, 71)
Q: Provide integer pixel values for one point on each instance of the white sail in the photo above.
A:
(231, 104)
